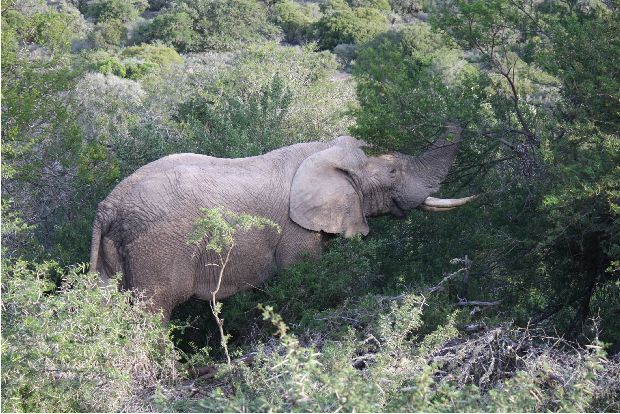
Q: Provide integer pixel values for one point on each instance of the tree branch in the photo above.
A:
(477, 303)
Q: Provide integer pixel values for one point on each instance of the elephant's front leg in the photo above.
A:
(296, 243)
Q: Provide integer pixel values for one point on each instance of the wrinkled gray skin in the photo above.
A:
(311, 190)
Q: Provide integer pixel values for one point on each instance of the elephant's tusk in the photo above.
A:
(447, 202)
(424, 207)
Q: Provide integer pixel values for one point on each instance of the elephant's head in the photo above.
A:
(334, 190)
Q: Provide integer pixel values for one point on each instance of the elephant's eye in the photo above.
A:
(393, 171)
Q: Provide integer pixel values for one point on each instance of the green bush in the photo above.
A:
(382, 5)
(105, 10)
(268, 97)
(112, 21)
(47, 28)
(173, 28)
(238, 128)
(304, 291)
(134, 62)
(159, 54)
(382, 363)
(347, 270)
(82, 347)
(194, 26)
(342, 24)
(38, 130)
(110, 64)
(409, 80)
(138, 69)
(560, 151)
(408, 8)
(108, 34)
(346, 54)
(581, 68)
(296, 20)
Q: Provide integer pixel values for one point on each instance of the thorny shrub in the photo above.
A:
(80, 347)
(382, 362)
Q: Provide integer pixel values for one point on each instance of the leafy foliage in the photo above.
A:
(81, 348)
(296, 20)
(135, 62)
(220, 228)
(347, 270)
(519, 126)
(106, 10)
(113, 19)
(411, 81)
(108, 34)
(159, 54)
(268, 98)
(174, 28)
(584, 67)
(572, 262)
(342, 24)
(384, 365)
(253, 126)
(193, 26)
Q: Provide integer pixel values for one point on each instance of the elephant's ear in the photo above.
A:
(324, 193)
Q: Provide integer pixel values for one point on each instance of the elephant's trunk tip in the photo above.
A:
(444, 204)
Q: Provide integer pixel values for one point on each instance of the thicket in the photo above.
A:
(192, 26)
(341, 23)
(80, 347)
(134, 62)
(509, 303)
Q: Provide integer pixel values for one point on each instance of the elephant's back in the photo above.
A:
(174, 188)
(191, 171)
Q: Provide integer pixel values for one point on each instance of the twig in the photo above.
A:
(213, 303)
(439, 287)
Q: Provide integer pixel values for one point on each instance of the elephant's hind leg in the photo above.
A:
(165, 280)
(163, 302)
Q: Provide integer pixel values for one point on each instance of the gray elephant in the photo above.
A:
(310, 190)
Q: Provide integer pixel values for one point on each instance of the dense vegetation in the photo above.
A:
(511, 303)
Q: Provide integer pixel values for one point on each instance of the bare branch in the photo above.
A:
(477, 303)
(213, 302)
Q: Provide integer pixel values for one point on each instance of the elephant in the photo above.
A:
(311, 190)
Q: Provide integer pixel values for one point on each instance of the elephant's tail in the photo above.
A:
(104, 257)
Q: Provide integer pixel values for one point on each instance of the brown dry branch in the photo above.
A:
(463, 302)
(489, 356)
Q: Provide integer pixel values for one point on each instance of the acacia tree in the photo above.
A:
(571, 138)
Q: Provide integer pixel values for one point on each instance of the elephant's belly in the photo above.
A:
(247, 267)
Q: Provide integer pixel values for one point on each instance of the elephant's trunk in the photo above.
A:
(444, 204)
